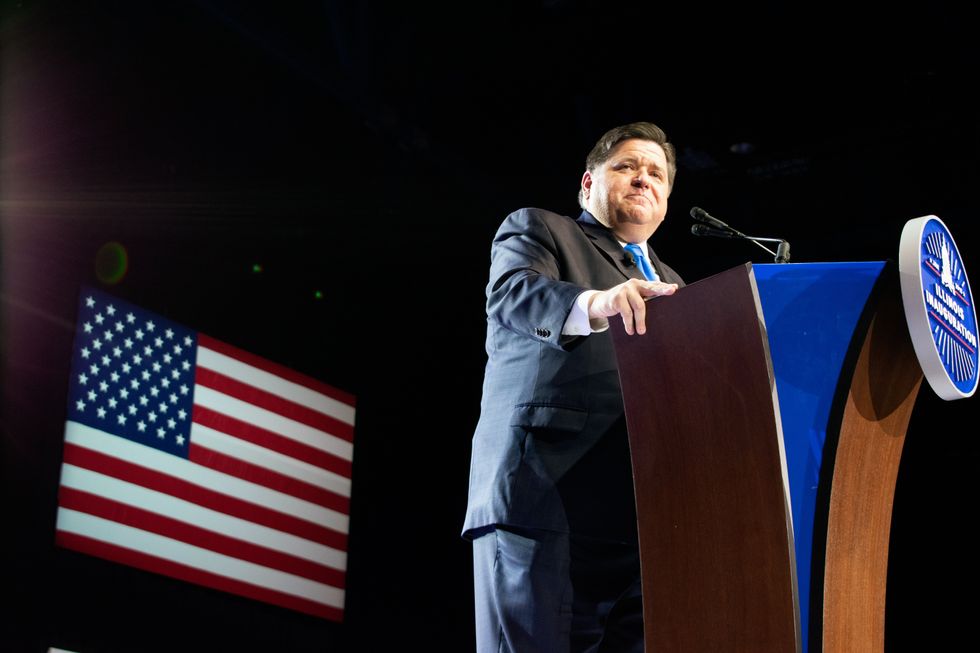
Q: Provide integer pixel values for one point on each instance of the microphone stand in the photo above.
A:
(782, 251)
(720, 229)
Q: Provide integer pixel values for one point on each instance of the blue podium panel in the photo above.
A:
(811, 312)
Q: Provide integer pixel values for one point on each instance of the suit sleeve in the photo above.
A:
(526, 293)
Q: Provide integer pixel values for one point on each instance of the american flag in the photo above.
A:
(191, 458)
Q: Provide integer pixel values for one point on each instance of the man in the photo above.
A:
(551, 510)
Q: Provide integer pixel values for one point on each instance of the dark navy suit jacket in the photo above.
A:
(550, 450)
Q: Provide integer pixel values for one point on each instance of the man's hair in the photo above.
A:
(646, 131)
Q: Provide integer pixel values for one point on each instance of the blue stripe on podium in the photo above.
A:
(811, 312)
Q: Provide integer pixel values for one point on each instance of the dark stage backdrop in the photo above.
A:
(318, 183)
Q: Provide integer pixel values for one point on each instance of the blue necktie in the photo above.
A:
(642, 261)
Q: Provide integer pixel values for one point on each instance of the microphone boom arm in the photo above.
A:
(719, 229)
(759, 241)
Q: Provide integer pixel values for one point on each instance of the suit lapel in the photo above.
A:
(657, 265)
(609, 247)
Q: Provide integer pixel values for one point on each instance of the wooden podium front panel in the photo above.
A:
(712, 505)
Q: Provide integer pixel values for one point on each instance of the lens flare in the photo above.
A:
(111, 263)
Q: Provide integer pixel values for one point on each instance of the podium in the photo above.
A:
(767, 408)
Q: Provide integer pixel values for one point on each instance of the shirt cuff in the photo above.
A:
(578, 322)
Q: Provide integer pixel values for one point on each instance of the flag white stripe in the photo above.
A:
(218, 362)
(270, 421)
(253, 453)
(132, 494)
(71, 521)
(111, 445)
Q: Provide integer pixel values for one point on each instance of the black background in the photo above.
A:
(368, 151)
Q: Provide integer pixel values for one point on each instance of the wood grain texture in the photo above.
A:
(882, 394)
(716, 544)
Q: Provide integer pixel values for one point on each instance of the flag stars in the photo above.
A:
(90, 302)
(137, 374)
(82, 378)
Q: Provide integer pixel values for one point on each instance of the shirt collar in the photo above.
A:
(589, 218)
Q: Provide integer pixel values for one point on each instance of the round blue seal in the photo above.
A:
(939, 307)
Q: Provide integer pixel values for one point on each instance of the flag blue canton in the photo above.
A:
(132, 373)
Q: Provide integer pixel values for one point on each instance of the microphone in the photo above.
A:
(719, 229)
(701, 215)
(628, 259)
(705, 230)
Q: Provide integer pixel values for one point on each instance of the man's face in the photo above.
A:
(628, 193)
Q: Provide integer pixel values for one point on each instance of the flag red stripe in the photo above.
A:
(266, 477)
(273, 368)
(270, 440)
(193, 575)
(154, 480)
(274, 403)
(179, 530)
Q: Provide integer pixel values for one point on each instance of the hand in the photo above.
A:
(628, 300)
